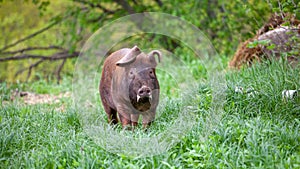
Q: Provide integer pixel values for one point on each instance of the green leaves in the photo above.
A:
(255, 43)
(42, 5)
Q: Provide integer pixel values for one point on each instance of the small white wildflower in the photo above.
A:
(289, 94)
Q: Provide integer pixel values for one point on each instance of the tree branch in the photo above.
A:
(93, 5)
(126, 6)
(159, 2)
(29, 69)
(58, 71)
(96, 19)
(56, 56)
(28, 37)
(32, 48)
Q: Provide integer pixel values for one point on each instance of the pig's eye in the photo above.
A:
(151, 74)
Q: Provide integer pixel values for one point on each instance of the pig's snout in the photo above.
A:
(144, 92)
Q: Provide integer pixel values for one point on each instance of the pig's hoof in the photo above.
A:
(127, 127)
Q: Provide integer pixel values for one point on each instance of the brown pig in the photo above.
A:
(129, 87)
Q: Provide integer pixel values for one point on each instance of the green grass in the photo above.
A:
(260, 131)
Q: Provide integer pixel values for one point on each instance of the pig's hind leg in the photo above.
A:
(111, 114)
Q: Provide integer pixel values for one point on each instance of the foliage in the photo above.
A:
(226, 23)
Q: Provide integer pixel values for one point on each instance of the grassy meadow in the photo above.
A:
(209, 116)
(256, 128)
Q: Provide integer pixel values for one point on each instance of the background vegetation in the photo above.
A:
(254, 131)
(41, 28)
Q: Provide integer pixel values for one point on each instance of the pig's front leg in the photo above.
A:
(148, 118)
(134, 120)
(124, 116)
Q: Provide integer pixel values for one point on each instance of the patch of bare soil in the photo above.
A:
(30, 98)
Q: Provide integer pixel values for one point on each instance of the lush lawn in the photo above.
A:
(258, 130)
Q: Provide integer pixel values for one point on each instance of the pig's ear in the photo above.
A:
(151, 56)
(129, 57)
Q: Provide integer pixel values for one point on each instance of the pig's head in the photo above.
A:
(143, 87)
